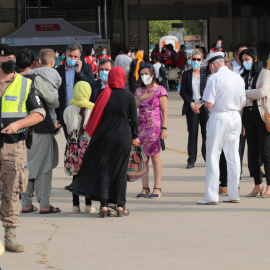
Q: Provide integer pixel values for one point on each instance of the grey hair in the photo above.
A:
(197, 51)
(74, 46)
(104, 61)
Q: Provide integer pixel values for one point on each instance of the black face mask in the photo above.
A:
(9, 66)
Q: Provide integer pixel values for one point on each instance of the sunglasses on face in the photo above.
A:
(198, 59)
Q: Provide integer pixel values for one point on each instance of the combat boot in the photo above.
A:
(10, 240)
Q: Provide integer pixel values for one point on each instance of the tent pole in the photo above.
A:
(19, 18)
(39, 8)
(105, 19)
(99, 21)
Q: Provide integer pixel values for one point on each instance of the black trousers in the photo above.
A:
(223, 170)
(258, 140)
(193, 122)
(76, 200)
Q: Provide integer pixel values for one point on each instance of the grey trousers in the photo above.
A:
(42, 186)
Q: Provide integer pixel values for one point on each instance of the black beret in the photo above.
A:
(6, 50)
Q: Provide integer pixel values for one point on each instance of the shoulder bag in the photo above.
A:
(136, 167)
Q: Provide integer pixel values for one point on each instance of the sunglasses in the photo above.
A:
(198, 59)
(147, 65)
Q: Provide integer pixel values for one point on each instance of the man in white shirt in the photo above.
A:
(157, 66)
(236, 62)
(224, 96)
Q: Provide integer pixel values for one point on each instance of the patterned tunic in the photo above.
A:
(150, 120)
(75, 149)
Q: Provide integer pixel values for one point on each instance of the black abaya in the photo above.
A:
(103, 174)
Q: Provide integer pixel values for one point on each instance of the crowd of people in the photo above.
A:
(104, 107)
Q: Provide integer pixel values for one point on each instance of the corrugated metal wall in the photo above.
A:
(8, 15)
(186, 11)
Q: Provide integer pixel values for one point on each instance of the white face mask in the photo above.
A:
(146, 79)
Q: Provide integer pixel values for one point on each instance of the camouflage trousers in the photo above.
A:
(14, 178)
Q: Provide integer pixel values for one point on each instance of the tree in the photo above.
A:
(158, 29)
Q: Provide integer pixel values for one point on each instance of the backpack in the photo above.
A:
(163, 73)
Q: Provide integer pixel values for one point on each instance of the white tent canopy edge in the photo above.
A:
(52, 31)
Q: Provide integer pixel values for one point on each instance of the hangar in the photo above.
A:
(234, 20)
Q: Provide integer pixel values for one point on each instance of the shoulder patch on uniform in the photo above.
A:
(38, 100)
(11, 98)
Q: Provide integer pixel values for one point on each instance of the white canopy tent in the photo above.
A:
(52, 31)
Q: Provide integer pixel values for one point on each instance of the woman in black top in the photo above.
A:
(257, 82)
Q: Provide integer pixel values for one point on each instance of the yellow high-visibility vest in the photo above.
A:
(15, 97)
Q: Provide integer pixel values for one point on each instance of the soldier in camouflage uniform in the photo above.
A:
(20, 108)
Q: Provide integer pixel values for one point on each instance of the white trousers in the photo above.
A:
(222, 132)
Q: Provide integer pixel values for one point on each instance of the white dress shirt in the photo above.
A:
(226, 90)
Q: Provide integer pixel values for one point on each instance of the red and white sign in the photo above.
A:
(47, 27)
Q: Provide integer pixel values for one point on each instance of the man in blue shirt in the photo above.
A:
(71, 72)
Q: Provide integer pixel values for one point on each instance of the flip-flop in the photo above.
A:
(32, 209)
(51, 210)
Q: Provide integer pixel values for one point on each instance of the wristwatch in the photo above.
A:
(163, 128)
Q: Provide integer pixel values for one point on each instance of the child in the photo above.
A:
(75, 117)
(50, 76)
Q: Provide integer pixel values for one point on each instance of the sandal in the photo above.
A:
(104, 213)
(51, 210)
(143, 195)
(32, 209)
(153, 196)
(122, 213)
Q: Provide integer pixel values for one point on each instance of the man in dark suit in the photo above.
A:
(105, 65)
(71, 72)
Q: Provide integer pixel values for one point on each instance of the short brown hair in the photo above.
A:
(46, 56)
(228, 60)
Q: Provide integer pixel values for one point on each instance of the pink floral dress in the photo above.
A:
(150, 120)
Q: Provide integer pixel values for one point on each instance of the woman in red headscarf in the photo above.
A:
(113, 126)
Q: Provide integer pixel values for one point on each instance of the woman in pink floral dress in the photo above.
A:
(151, 100)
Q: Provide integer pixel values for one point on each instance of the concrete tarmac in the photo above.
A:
(171, 232)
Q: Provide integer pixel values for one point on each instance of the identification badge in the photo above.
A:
(11, 98)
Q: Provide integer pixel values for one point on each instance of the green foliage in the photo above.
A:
(159, 29)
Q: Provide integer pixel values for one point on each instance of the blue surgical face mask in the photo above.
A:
(103, 52)
(104, 75)
(217, 45)
(196, 64)
(189, 62)
(247, 65)
(93, 53)
(70, 62)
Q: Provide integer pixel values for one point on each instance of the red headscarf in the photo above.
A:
(116, 79)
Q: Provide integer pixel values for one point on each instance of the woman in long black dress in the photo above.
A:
(103, 174)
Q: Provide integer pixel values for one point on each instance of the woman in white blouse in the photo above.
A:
(192, 87)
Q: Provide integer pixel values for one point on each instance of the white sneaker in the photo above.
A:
(76, 209)
(228, 199)
(89, 209)
(206, 202)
